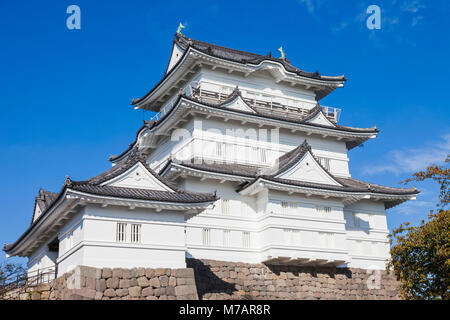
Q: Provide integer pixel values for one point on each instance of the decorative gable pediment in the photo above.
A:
(37, 212)
(321, 119)
(238, 104)
(307, 169)
(138, 177)
(177, 53)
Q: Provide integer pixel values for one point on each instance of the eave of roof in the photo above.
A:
(348, 185)
(254, 59)
(290, 159)
(93, 186)
(245, 57)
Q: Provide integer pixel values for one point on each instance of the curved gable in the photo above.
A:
(137, 177)
(237, 103)
(309, 170)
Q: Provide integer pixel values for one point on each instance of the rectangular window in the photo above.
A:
(289, 207)
(253, 154)
(220, 149)
(319, 209)
(206, 236)
(327, 239)
(225, 207)
(263, 155)
(246, 239)
(226, 238)
(121, 234)
(325, 162)
(327, 209)
(287, 235)
(292, 237)
(136, 233)
(284, 207)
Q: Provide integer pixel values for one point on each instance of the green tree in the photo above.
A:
(420, 258)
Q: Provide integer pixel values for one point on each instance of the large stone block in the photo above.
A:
(100, 285)
(164, 281)
(154, 282)
(183, 273)
(106, 273)
(122, 292)
(113, 282)
(109, 293)
(89, 272)
(124, 283)
(117, 272)
(147, 292)
(86, 293)
(185, 290)
(143, 282)
(135, 291)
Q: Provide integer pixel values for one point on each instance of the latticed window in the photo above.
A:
(220, 149)
(289, 207)
(246, 239)
(327, 239)
(206, 236)
(322, 209)
(225, 207)
(291, 236)
(121, 232)
(325, 162)
(226, 238)
(263, 155)
(136, 233)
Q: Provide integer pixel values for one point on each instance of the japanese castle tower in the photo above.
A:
(240, 163)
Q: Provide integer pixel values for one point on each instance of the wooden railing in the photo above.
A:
(274, 105)
(25, 280)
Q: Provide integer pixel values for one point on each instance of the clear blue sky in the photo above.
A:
(65, 94)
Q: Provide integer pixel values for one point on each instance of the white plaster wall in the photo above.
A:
(42, 261)
(261, 83)
(162, 239)
(243, 144)
(368, 242)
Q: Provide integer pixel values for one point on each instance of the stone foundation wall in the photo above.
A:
(227, 280)
(208, 280)
(87, 283)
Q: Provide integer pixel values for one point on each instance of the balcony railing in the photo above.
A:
(268, 104)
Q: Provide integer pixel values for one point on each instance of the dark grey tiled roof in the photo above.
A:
(216, 167)
(259, 112)
(246, 57)
(145, 194)
(44, 200)
(347, 186)
(285, 162)
(93, 185)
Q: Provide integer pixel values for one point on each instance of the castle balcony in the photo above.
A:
(274, 105)
(268, 104)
